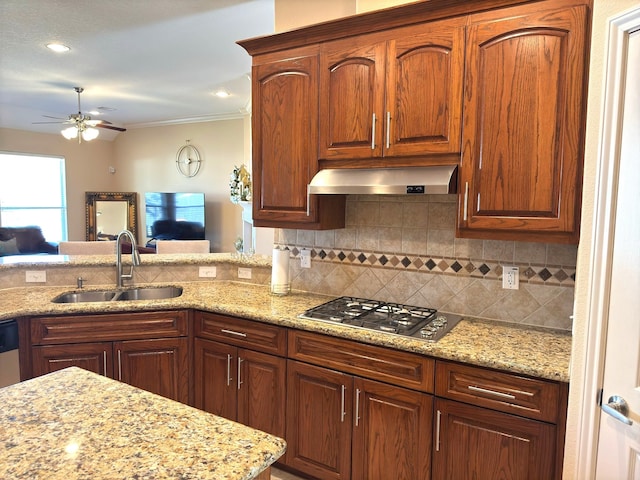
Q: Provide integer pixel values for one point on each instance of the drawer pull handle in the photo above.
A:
(491, 392)
(119, 365)
(373, 132)
(231, 332)
(228, 369)
(239, 370)
(438, 430)
(104, 362)
(357, 406)
(388, 130)
(342, 410)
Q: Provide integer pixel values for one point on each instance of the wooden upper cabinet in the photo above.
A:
(285, 138)
(521, 172)
(398, 96)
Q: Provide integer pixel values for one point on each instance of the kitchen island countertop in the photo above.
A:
(74, 424)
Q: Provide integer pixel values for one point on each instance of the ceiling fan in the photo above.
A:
(82, 126)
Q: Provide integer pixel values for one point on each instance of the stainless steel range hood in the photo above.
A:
(385, 181)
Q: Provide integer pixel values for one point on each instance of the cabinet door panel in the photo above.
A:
(285, 136)
(262, 392)
(473, 442)
(424, 89)
(351, 93)
(95, 357)
(392, 432)
(319, 421)
(215, 370)
(159, 366)
(524, 124)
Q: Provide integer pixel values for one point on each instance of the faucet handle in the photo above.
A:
(80, 282)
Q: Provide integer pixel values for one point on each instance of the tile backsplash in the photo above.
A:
(403, 249)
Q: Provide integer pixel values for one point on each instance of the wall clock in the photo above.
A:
(188, 160)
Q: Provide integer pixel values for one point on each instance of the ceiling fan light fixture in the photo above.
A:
(58, 47)
(70, 133)
(89, 134)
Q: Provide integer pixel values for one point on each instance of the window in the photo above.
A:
(33, 192)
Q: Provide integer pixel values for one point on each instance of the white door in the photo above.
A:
(618, 456)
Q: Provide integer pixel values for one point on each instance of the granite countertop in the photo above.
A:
(537, 352)
(74, 424)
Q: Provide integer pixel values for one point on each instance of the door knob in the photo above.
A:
(617, 407)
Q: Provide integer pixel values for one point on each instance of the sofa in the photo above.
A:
(24, 241)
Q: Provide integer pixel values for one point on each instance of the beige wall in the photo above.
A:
(87, 168)
(145, 160)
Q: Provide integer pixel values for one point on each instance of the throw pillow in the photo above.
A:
(10, 247)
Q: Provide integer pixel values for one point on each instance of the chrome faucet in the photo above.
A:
(135, 257)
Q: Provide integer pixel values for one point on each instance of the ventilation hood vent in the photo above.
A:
(385, 181)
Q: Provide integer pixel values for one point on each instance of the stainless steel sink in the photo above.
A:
(89, 296)
(134, 293)
(149, 293)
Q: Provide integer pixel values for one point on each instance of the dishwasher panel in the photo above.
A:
(9, 359)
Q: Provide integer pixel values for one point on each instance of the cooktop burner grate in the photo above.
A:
(394, 318)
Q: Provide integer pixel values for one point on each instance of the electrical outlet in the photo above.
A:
(510, 278)
(207, 272)
(244, 273)
(33, 276)
(305, 258)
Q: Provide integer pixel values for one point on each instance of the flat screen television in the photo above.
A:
(174, 216)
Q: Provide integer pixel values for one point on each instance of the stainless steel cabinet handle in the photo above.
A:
(231, 332)
(104, 362)
(119, 365)
(617, 407)
(491, 392)
(438, 415)
(342, 410)
(239, 364)
(357, 406)
(466, 201)
(373, 132)
(228, 369)
(388, 130)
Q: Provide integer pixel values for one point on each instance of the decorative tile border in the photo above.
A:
(538, 274)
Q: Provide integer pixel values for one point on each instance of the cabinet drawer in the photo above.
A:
(506, 392)
(378, 363)
(118, 326)
(242, 333)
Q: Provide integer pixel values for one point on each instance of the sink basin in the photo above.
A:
(135, 293)
(149, 293)
(77, 297)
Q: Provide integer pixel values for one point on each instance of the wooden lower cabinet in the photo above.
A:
(149, 350)
(477, 443)
(241, 384)
(158, 365)
(95, 357)
(340, 426)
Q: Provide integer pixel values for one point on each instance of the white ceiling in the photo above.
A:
(153, 62)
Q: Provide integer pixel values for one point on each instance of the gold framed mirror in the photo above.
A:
(108, 213)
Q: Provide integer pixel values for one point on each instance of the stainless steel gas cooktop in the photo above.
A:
(393, 318)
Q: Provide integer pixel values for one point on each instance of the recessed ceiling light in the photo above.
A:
(58, 47)
(222, 93)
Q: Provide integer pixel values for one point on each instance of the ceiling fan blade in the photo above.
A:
(95, 123)
(41, 123)
(112, 127)
(57, 118)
